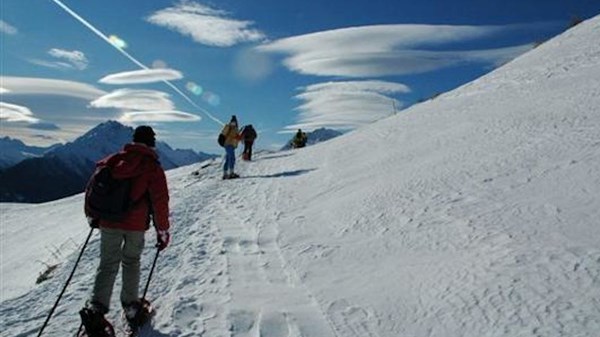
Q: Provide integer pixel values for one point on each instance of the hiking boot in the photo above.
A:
(234, 175)
(226, 176)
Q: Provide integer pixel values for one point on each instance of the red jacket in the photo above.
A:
(148, 189)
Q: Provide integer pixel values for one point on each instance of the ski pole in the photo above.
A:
(151, 272)
(67, 283)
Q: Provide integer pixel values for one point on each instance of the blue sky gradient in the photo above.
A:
(186, 66)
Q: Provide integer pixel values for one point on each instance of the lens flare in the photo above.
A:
(211, 98)
(194, 88)
(117, 42)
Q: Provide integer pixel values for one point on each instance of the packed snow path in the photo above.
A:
(474, 214)
(249, 291)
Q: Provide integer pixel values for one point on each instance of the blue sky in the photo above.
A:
(186, 66)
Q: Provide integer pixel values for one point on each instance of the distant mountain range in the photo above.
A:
(13, 151)
(35, 174)
(316, 136)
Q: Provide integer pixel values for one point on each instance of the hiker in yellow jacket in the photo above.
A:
(232, 138)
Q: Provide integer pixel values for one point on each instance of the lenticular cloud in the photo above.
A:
(384, 50)
(158, 116)
(130, 99)
(346, 104)
(142, 76)
(16, 113)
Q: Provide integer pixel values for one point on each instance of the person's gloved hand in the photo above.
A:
(162, 239)
(94, 223)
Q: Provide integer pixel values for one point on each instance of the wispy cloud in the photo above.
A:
(383, 50)
(51, 64)
(129, 99)
(4, 90)
(75, 58)
(206, 25)
(6, 28)
(12, 113)
(42, 86)
(158, 116)
(142, 76)
(346, 105)
(68, 60)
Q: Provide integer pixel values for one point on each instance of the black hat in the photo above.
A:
(233, 119)
(144, 134)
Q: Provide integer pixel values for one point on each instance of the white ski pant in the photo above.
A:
(118, 248)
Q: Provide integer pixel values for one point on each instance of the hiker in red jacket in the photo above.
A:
(122, 242)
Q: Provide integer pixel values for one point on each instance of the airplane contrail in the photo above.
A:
(131, 58)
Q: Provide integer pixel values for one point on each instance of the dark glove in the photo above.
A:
(94, 223)
(162, 239)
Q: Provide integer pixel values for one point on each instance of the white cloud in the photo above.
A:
(4, 91)
(206, 25)
(142, 76)
(75, 58)
(12, 113)
(346, 105)
(43, 86)
(128, 99)
(6, 28)
(384, 50)
(158, 116)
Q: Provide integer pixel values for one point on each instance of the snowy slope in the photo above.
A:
(474, 214)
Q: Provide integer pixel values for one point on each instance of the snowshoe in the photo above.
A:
(95, 324)
(136, 316)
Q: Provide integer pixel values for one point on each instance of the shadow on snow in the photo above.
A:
(282, 174)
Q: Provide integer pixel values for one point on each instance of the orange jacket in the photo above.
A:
(149, 190)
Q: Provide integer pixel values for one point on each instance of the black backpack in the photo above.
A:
(107, 198)
(248, 133)
(221, 139)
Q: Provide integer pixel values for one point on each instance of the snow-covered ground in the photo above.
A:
(475, 214)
